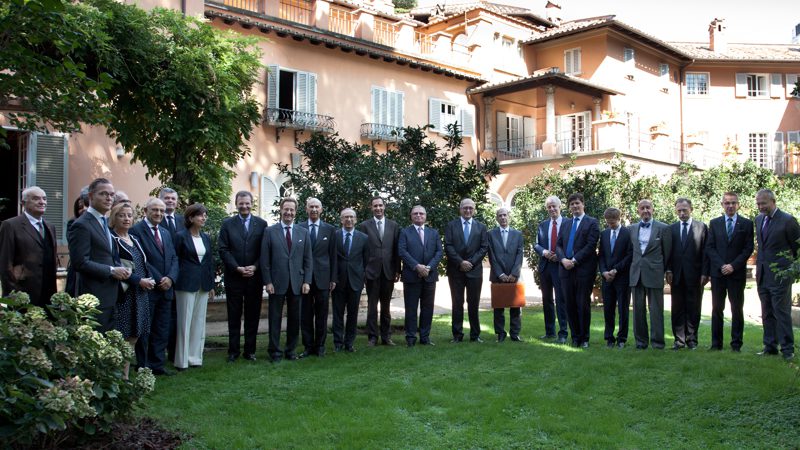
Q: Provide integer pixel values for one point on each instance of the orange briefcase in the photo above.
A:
(508, 295)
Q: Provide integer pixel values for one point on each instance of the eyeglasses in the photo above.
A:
(105, 194)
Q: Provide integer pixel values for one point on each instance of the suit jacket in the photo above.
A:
(650, 266)
(92, 256)
(412, 252)
(240, 249)
(22, 259)
(351, 267)
(194, 275)
(735, 252)
(382, 253)
(324, 253)
(279, 265)
(688, 259)
(161, 262)
(473, 250)
(781, 235)
(584, 246)
(620, 257)
(543, 242)
(179, 226)
(505, 259)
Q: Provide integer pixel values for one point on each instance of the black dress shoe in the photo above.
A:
(349, 349)
(766, 352)
(372, 343)
(501, 337)
(691, 346)
(714, 348)
(321, 352)
(584, 345)
(388, 342)
(547, 336)
(677, 347)
(788, 356)
(181, 369)
(736, 349)
(641, 347)
(195, 366)
(517, 339)
(620, 345)
(409, 344)
(163, 372)
(304, 355)
(250, 357)
(338, 347)
(292, 357)
(232, 358)
(476, 339)
(428, 343)
(561, 340)
(610, 344)
(455, 340)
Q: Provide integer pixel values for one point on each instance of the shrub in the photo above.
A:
(62, 379)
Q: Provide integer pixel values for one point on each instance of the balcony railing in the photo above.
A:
(300, 11)
(382, 132)
(423, 43)
(385, 33)
(574, 142)
(248, 5)
(342, 21)
(287, 118)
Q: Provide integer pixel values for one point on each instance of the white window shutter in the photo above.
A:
(528, 133)
(272, 85)
(741, 85)
(301, 96)
(467, 120)
(396, 111)
(776, 85)
(47, 154)
(269, 194)
(568, 61)
(502, 131)
(576, 61)
(434, 114)
(791, 80)
(311, 103)
(376, 105)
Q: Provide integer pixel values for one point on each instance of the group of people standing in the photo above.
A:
(153, 278)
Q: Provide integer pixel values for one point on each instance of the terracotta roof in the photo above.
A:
(497, 8)
(741, 52)
(544, 77)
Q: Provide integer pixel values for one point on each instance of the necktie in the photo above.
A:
(421, 235)
(571, 242)
(288, 238)
(244, 225)
(729, 228)
(106, 231)
(380, 230)
(613, 239)
(764, 228)
(553, 236)
(684, 232)
(347, 244)
(505, 237)
(41, 229)
(158, 239)
(466, 231)
(171, 224)
(313, 234)
(645, 224)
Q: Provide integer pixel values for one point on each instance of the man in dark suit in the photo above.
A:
(466, 242)
(728, 247)
(286, 268)
(615, 260)
(352, 255)
(420, 248)
(162, 263)
(28, 258)
(240, 250)
(314, 307)
(173, 222)
(576, 249)
(652, 247)
(505, 260)
(553, 303)
(777, 234)
(91, 253)
(689, 273)
(383, 271)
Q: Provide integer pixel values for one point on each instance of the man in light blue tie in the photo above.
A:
(352, 256)
(615, 261)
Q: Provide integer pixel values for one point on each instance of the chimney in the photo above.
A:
(717, 36)
(552, 11)
(796, 34)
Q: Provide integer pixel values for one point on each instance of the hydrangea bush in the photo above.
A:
(60, 377)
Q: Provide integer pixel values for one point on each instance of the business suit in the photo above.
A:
(382, 269)
(28, 261)
(688, 264)
(616, 293)
(351, 264)
(553, 303)
(286, 270)
(779, 235)
(419, 293)
(173, 224)
(195, 281)
(647, 281)
(735, 251)
(577, 283)
(505, 259)
(92, 256)
(473, 250)
(175, 228)
(241, 248)
(161, 262)
(314, 306)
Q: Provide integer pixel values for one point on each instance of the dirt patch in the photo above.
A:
(140, 433)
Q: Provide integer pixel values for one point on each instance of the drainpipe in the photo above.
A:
(682, 75)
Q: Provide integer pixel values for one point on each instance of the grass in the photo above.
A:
(510, 395)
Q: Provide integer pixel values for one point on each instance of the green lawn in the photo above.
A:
(510, 395)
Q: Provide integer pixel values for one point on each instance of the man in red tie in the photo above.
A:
(548, 272)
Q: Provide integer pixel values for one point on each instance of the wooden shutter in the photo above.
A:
(47, 156)
(434, 114)
(776, 85)
(502, 131)
(269, 194)
(576, 61)
(741, 85)
(272, 85)
(568, 61)
(376, 104)
(398, 109)
(528, 133)
(467, 118)
(791, 80)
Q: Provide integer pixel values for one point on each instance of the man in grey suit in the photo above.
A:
(314, 308)
(777, 233)
(652, 246)
(286, 267)
(173, 222)
(91, 253)
(466, 243)
(383, 270)
(505, 259)
(352, 256)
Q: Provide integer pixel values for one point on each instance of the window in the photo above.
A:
(791, 83)
(697, 83)
(663, 70)
(442, 113)
(759, 85)
(758, 149)
(515, 134)
(291, 90)
(574, 132)
(572, 61)
(756, 85)
(628, 55)
(387, 107)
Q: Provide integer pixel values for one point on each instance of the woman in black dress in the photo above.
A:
(132, 314)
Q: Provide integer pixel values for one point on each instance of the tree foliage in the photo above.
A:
(404, 5)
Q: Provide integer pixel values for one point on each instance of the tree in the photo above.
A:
(415, 171)
(404, 5)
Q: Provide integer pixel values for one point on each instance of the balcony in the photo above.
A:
(423, 43)
(382, 132)
(255, 6)
(523, 148)
(298, 120)
(300, 11)
(385, 33)
(342, 21)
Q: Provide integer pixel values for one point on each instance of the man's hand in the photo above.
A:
(422, 271)
(270, 289)
(332, 286)
(165, 284)
(669, 277)
(465, 266)
(704, 280)
(567, 263)
(550, 256)
(211, 295)
(608, 276)
(397, 277)
(305, 289)
(147, 284)
(246, 271)
(120, 273)
(727, 269)
(511, 279)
